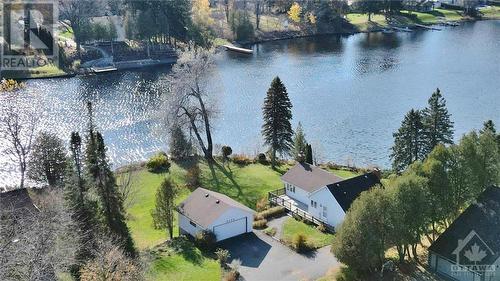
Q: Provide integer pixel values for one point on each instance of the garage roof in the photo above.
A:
(204, 206)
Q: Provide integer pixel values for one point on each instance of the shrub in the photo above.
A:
(158, 163)
(241, 159)
(241, 26)
(272, 212)
(226, 151)
(321, 227)
(232, 275)
(299, 243)
(261, 158)
(271, 231)
(205, 240)
(222, 255)
(262, 204)
(193, 176)
(260, 224)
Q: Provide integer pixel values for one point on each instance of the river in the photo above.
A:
(349, 92)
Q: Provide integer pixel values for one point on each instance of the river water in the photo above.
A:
(349, 92)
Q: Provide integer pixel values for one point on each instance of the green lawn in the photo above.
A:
(360, 21)
(491, 12)
(246, 184)
(345, 174)
(186, 265)
(435, 16)
(315, 238)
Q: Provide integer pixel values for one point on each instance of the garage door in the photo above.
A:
(230, 229)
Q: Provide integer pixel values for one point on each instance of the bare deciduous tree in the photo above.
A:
(18, 127)
(110, 264)
(36, 244)
(189, 102)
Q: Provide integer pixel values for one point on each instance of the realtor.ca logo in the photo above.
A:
(473, 257)
(27, 34)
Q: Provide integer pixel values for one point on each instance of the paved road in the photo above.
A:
(265, 259)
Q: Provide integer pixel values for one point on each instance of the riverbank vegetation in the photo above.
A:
(434, 181)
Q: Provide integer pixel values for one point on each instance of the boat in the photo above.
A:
(387, 31)
(238, 49)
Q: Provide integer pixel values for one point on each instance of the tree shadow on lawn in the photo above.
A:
(223, 181)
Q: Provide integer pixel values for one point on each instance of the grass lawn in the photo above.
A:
(185, 265)
(435, 16)
(490, 12)
(360, 21)
(345, 174)
(315, 238)
(246, 184)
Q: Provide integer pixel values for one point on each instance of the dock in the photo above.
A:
(427, 27)
(238, 49)
(103, 69)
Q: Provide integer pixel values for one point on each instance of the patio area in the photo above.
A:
(279, 198)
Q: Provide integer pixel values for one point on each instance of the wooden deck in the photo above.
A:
(278, 198)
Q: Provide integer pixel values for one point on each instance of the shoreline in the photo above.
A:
(289, 34)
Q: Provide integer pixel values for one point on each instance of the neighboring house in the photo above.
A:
(419, 5)
(469, 250)
(208, 210)
(321, 194)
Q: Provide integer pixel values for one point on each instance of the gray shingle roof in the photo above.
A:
(204, 206)
(309, 177)
(482, 217)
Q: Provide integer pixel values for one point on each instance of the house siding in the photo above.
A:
(299, 194)
(186, 227)
(443, 267)
(335, 213)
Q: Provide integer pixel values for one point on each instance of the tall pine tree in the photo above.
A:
(408, 141)
(299, 143)
(437, 123)
(277, 130)
(102, 178)
(309, 154)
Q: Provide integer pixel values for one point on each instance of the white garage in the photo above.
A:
(208, 210)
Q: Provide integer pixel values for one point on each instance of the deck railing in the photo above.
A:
(275, 199)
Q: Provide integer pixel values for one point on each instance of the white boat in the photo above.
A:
(238, 49)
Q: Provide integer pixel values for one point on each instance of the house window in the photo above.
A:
(293, 188)
(192, 223)
(313, 204)
(325, 214)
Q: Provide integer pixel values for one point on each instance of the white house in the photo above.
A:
(323, 195)
(208, 210)
(469, 250)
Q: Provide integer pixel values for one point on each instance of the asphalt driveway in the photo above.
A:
(265, 259)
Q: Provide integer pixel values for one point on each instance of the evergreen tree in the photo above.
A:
(47, 163)
(110, 199)
(180, 147)
(489, 126)
(437, 124)
(309, 154)
(277, 130)
(83, 210)
(299, 143)
(163, 214)
(408, 141)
